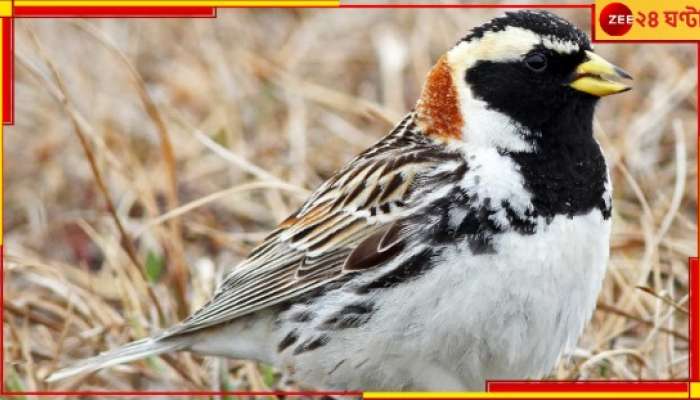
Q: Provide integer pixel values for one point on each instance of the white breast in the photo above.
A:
(503, 315)
(536, 294)
(507, 315)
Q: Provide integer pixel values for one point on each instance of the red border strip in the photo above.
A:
(589, 386)
(116, 12)
(8, 68)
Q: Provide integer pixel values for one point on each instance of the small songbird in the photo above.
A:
(468, 244)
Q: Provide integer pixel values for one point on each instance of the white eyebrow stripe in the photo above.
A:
(560, 46)
(509, 44)
(497, 46)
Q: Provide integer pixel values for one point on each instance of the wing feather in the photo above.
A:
(350, 224)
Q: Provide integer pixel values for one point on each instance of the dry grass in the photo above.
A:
(205, 133)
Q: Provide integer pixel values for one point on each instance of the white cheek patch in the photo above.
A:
(484, 126)
(490, 128)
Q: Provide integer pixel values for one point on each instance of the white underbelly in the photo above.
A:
(509, 314)
(504, 315)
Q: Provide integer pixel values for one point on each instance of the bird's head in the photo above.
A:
(530, 68)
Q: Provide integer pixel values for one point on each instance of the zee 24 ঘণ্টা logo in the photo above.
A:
(616, 19)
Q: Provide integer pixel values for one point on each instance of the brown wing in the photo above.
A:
(350, 224)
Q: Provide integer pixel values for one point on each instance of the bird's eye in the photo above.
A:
(537, 62)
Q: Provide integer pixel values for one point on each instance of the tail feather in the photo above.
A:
(132, 351)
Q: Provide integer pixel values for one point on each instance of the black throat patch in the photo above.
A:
(567, 173)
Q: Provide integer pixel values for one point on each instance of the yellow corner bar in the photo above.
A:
(694, 390)
(5, 8)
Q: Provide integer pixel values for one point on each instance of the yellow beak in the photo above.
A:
(592, 75)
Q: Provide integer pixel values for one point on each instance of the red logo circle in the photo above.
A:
(616, 19)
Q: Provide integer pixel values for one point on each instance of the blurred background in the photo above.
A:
(149, 156)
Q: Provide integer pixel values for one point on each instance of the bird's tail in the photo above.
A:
(129, 352)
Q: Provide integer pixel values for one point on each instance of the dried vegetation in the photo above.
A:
(149, 156)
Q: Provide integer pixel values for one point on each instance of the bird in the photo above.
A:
(468, 244)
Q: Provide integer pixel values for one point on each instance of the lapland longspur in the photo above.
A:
(468, 244)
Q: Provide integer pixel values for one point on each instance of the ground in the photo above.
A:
(206, 133)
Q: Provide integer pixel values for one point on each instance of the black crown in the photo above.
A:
(538, 21)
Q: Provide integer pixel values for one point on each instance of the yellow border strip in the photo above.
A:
(527, 395)
(5, 8)
(178, 3)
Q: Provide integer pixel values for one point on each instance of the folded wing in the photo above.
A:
(353, 222)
